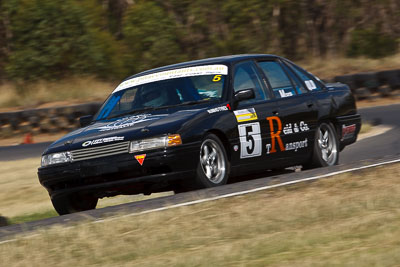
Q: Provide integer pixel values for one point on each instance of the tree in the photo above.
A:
(55, 38)
(116, 10)
(151, 37)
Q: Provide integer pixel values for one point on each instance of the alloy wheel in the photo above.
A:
(327, 145)
(212, 161)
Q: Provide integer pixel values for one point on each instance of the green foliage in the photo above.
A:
(113, 38)
(371, 43)
(151, 37)
(33, 217)
(54, 38)
(245, 20)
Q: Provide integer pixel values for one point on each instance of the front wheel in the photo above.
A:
(213, 168)
(325, 151)
(74, 203)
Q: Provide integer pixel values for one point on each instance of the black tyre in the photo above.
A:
(213, 168)
(326, 147)
(74, 203)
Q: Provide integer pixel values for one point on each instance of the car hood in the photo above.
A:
(125, 128)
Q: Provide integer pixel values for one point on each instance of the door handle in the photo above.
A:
(275, 112)
(310, 104)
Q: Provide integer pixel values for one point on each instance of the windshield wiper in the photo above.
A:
(194, 102)
(131, 112)
(197, 102)
(187, 103)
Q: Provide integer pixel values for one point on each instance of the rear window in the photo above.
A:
(279, 81)
(307, 78)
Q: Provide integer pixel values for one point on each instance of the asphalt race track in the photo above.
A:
(10, 153)
(380, 145)
(384, 148)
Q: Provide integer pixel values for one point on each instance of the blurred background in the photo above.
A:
(59, 59)
(78, 50)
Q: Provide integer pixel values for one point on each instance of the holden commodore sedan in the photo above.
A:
(196, 125)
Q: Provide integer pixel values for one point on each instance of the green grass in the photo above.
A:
(365, 127)
(347, 220)
(23, 199)
(33, 217)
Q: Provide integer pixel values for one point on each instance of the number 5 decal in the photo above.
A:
(250, 140)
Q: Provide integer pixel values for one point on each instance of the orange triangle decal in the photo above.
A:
(140, 158)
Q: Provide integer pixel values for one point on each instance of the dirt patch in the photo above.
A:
(376, 100)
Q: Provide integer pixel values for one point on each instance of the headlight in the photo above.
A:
(56, 158)
(154, 143)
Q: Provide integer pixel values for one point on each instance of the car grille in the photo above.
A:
(99, 152)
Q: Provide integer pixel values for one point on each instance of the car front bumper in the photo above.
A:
(121, 174)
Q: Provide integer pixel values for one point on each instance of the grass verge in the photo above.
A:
(347, 220)
(33, 217)
(365, 127)
(21, 193)
(23, 199)
(83, 89)
(68, 91)
(331, 67)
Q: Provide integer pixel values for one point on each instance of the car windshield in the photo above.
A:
(165, 89)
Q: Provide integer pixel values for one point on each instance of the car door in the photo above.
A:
(251, 118)
(297, 113)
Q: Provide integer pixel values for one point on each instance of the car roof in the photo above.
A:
(215, 60)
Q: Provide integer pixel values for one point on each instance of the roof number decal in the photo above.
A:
(216, 78)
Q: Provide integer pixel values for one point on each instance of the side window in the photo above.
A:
(300, 89)
(308, 80)
(127, 99)
(121, 102)
(279, 81)
(246, 77)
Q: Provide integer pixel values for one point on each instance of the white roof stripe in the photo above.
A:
(171, 74)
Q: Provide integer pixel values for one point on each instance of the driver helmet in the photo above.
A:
(154, 96)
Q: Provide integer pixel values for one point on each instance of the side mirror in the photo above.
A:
(244, 94)
(85, 120)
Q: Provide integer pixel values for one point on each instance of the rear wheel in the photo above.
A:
(213, 168)
(74, 203)
(326, 149)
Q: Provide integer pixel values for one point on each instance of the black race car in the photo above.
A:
(195, 125)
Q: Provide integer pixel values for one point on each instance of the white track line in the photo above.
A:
(229, 195)
(247, 191)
